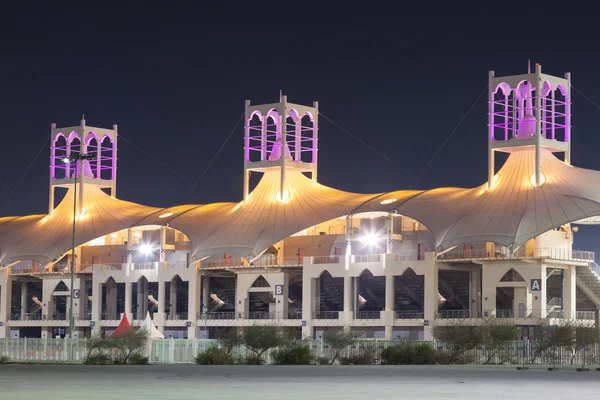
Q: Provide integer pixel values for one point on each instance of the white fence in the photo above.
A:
(181, 351)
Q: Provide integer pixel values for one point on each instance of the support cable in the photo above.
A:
(24, 173)
(367, 145)
(454, 130)
(154, 159)
(218, 152)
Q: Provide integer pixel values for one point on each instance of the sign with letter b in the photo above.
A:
(278, 290)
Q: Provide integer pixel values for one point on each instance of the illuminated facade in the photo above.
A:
(299, 254)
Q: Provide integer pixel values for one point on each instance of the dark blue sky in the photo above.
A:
(174, 77)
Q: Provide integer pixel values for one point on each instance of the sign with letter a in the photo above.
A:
(536, 285)
(278, 290)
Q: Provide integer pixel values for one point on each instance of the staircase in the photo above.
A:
(454, 285)
(224, 288)
(332, 294)
(588, 280)
(410, 293)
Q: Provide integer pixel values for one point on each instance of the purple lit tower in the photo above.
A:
(280, 135)
(74, 140)
(529, 110)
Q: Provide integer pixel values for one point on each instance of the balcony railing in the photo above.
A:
(60, 317)
(410, 314)
(218, 315)
(369, 314)
(177, 317)
(366, 258)
(451, 314)
(326, 259)
(177, 264)
(145, 266)
(521, 253)
(111, 267)
(327, 315)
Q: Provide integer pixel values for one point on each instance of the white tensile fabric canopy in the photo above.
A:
(512, 211)
(150, 328)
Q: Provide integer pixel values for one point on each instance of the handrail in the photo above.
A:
(409, 314)
(369, 315)
(327, 315)
(521, 253)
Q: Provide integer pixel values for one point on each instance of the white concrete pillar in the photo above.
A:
(173, 299)
(142, 299)
(308, 303)
(79, 304)
(193, 305)
(163, 242)
(431, 298)
(128, 299)
(24, 299)
(241, 297)
(390, 299)
(475, 292)
(488, 291)
(129, 248)
(205, 294)
(539, 301)
(349, 298)
(570, 292)
(389, 332)
(5, 297)
(159, 316)
(96, 305)
(111, 300)
(281, 300)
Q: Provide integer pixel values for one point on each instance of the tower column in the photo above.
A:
(490, 129)
(5, 297)
(128, 298)
(308, 304)
(348, 298)
(570, 292)
(431, 298)
(173, 300)
(538, 125)
(568, 119)
(193, 303)
(24, 297)
(283, 131)
(111, 300)
(159, 316)
(315, 152)
(163, 242)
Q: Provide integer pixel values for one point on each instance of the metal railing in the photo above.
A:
(326, 259)
(145, 266)
(327, 315)
(218, 315)
(369, 314)
(178, 351)
(409, 314)
(521, 253)
(589, 315)
(177, 316)
(366, 258)
(177, 264)
(450, 314)
(60, 317)
(111, 267)
(295, 315)
(406, 257)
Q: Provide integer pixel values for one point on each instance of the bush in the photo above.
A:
(339, 340)
(254, 359)
(214, 356)
(4, 360)
(260, 339)
(138, 359)
(294, 354)
(409, 354)
(323, 361)
(98, 359)
(366, 356)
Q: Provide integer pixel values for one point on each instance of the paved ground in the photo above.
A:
(173, 382)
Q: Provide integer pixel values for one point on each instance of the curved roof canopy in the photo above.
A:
(511, 212)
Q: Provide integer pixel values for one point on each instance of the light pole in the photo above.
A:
(69, 160)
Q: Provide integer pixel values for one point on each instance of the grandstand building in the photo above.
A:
(295, 253)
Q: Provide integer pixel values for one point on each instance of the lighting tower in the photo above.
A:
(69, 143)
(280, 136)
(530, 110)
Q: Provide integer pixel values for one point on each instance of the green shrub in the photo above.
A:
(98, 359)
(323, 361)
(400, 354)
(409, 354)
(138, 359)
(214, 356)
(366, 356)
(4, 359)
(254, 359)
(293, 354)
(423, 354)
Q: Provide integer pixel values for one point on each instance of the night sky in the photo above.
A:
(174, 77)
